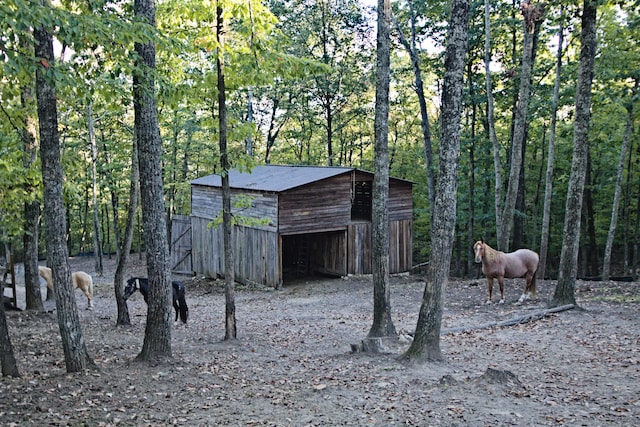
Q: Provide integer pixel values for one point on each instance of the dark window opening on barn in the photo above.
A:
(361, 201)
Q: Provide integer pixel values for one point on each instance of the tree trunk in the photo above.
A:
(123, 251)
(532, 16)
(157, 335)
(592, 260)
(7, 357)
(411, 49)
(548, 189)
(606, 264)
(229, 271)
(382, 323)
(33, 294)
(565, 288)
(426, 343)
(472, 169)
(73, 344)
(114, 200)
(491, 122)
(97, 239)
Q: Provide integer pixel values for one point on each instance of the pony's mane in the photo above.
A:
(491, 254)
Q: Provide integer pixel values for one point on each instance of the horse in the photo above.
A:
(498, 265)
(81, 280)
(179, 301)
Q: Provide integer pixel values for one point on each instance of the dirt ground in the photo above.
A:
(293, 365)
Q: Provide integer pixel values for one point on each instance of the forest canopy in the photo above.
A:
(300, 90)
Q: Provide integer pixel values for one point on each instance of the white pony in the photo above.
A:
(81, 280)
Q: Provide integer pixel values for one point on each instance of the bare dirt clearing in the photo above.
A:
(292, 364)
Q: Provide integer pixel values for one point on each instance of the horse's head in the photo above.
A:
(132, 286)
(478, 250)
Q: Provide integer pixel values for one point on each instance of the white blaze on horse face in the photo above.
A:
(477, 250)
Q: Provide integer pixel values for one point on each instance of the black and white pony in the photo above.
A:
(179, 301)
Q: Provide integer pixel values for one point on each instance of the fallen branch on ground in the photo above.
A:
(377, 345)
(536, 315)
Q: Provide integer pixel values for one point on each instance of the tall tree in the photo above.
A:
(97, 240)
(33, 294)
(73, 344)
(157, 336)
(7, 357)
(606, 263)
(382, 322)
(491, 121)
(335, 34)
(567, 274)
(548, 189)
(411, 47)
(532, 15)
(123, 251)
(229, 272)
(426, 342)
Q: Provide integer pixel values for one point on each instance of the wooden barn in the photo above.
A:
(297, 221)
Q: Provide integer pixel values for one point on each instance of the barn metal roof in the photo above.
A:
(274, 178)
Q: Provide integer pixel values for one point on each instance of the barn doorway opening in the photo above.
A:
(314, 254)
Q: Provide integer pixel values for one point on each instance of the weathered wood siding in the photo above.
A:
(255, 249)
(400, 242)
(181, 244)
(206, 202)
(400, 201)
(207, 255)
(323, 206)
(360, 247)
(255, 256)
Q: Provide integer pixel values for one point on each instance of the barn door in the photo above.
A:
(181, 245)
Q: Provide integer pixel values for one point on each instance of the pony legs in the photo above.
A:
(80, 279)
(529, 288)
(84, 282)
(501, 283)
(490, 286)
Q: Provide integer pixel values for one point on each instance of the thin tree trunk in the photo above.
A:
(33, 294)
(426, 343)
(73, 344)
(606, 264)
(157, 334)
(592, 262)
(114, 199)
(565, 289)
(229, 269)
(97, 239)
(382, 323)
(532, 16)
(248, 142)
(123, 252)
(491, 122)
(411, 49)
(548, 189)
(7, 357)
(472, 168)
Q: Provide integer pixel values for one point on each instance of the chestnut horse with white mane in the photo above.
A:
(498, 265)
(80, 280)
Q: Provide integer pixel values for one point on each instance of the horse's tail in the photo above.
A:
(182, 304)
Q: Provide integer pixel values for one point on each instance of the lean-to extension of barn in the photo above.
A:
(297, 221)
